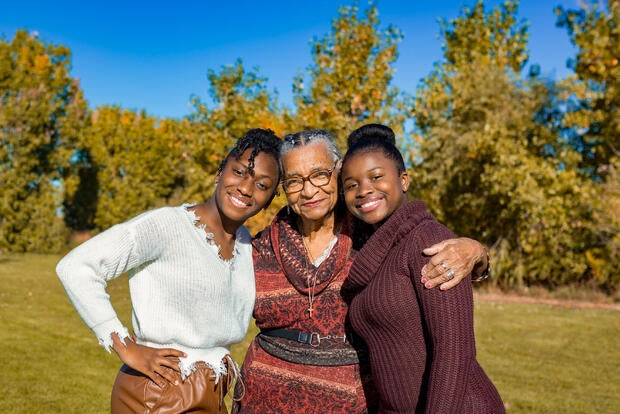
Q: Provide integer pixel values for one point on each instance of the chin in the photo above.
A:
(240, 215)
(371, 219)
(314, 214)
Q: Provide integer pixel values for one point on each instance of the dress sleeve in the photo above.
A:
(85, 271)
(448, 317)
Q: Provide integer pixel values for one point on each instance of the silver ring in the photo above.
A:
(443, 264)
(450, 274)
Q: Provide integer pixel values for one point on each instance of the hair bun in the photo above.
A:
(371, 132)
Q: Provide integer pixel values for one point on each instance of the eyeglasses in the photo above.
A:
(318, 179)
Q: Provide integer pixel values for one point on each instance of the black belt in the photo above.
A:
(310, 338)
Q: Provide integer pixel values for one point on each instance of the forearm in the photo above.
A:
(84, 273)
(449, 321)
(448, 316)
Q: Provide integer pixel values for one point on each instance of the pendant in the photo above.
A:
(310, 309)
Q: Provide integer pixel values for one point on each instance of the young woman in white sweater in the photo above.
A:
(191, 282)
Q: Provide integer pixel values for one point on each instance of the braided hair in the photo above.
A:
(259, 140)
(308, 137)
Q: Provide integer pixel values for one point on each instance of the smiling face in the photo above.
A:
(311, 202)
(241, 192)
(373, 187)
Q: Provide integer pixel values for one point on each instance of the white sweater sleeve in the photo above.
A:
(84, 273)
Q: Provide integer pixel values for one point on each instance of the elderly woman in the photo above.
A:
(306, 358)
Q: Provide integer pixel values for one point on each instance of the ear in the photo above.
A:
(404, 181)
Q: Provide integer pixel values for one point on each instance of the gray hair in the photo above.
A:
(309, 137)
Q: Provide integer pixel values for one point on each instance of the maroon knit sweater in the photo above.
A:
(421, 341)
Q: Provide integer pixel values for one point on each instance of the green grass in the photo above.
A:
(543, 359)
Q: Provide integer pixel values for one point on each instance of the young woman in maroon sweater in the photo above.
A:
(421, 341)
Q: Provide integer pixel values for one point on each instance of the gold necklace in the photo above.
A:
(311, 289)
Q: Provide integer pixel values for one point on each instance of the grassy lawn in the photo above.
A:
(543, 359)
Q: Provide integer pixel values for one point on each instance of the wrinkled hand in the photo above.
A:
(459, 256)
(155, 363)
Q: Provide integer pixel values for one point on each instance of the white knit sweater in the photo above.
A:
(183, 294)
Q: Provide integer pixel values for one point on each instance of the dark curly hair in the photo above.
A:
(260, 140)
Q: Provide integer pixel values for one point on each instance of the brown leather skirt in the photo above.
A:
(134, 392)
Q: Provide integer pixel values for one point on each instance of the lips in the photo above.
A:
(311, 204)
(237, 202)
(369, 205)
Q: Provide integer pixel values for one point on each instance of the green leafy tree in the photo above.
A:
(605, 256)
(491, 162)
(80, 188)
(592, 122)
(240, 101)
(134, 163)
(592, 95)
(349, 82)
(41, 114)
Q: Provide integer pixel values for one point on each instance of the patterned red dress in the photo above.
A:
(286, 376)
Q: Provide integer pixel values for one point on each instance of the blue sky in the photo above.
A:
(154, 55)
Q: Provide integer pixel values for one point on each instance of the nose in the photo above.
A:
(308, 190)
(364, 189)
(246, 185)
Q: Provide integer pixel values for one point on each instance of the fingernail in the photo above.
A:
(442, 287)
(423, 272)
(423, 281)
(428, 285)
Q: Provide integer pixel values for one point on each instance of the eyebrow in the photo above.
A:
(264, 176)
(350, 178)
(247, 168)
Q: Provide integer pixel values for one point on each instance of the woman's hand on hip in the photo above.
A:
(156, 363)
(451, 261)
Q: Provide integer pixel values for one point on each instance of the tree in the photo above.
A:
(241, 101)
(591, 123)
(349, 82)
(491, 162)
(41, 114)
(592, 95)
(132, 161)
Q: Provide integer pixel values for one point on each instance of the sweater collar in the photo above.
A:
(290, 253)
(378, 246)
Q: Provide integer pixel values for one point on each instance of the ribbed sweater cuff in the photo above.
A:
(105, 330)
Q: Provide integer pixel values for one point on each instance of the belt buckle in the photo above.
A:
(310, 338)
(315, 339)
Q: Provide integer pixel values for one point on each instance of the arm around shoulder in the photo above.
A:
(454, 259)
